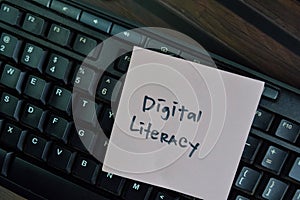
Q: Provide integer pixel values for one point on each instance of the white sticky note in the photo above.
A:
(181, 125)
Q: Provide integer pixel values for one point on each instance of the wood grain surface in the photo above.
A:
(263, 52)
(8, 195)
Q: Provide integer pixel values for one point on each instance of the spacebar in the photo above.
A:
(46, 184)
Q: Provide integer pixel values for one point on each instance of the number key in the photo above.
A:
(33, 56)
(58, 67)
(250, 149)
(9, 46)
(109, 88)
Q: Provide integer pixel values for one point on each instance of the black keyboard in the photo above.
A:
(42, 155)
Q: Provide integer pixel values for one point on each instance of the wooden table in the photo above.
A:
(254, 42)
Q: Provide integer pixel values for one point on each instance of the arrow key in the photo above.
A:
(96, 22)
(65, 9)
(165, 196)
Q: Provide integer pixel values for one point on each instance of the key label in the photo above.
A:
(96, 21)
(273, 151)
(6, 39)
(10, 129)
(59, 152)
(34, 140)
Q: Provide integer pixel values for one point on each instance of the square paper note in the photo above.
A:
(181, 125)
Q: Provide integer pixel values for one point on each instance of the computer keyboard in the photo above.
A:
(42, 46)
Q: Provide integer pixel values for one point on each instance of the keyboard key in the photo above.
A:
(58, 67)
(58, 127)
(270, 93)
(85, 79)
(65, 9)
(59, 35)
(43, 2)
(10, 136)
(8, 105)
(263, 120)
(36, 147)
(123, 62)
(251, 149)
(248, 179)
(33, 24)
(31, 178)
(288, 130)
(111, 183)
(32, 116)
(2, 158)
(61, 99)
(297, 195)
(275, 190)
(9, 46)
(274, 159)
(12, 77)
(9, 14)
(60, 158)
(33, 56)
(96, 22)
(86, 169)
(83, 139)
(164, 196)
(161, 47)
(198, 57)
(137, 191)
(84, 45)
(109, 88)
(127, 35)
(295, 171)
(87, 110)
(107, 121)
(239, 197)
(36, 88)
